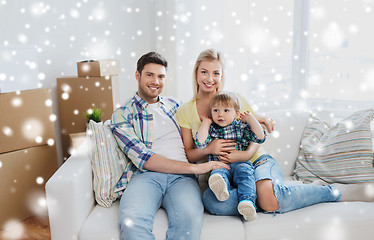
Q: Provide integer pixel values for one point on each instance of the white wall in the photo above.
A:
(64, 32)
(259, 38)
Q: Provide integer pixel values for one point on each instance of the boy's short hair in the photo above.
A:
(227, 99)
(151, 57)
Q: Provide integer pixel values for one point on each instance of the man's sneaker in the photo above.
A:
(218, 186)
(248, 210)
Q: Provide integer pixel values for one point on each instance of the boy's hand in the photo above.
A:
(206, 119)
(246, 116)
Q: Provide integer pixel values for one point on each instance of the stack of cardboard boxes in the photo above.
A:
(97, 85)
(28, 155)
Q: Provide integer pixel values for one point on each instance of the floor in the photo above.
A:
(34, 228)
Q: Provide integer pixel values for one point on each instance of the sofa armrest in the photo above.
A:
(70, 197)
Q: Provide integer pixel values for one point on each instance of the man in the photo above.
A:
(146, 130)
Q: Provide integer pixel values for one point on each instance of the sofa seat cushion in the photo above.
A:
(222, 228)
(102, 223)
(325, 221)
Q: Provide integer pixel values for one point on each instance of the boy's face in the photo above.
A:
(151, 82)
(223, 115)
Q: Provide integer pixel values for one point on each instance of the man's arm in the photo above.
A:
(158, 163)
(144, 159)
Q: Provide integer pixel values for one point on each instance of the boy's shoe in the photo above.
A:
(218, 186)
(248, 209)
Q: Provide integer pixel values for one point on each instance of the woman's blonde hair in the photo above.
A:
(208, 55)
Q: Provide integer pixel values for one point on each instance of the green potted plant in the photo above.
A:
(94, 114)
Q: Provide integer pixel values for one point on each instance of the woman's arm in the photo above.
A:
(268, 122)
(217, 147)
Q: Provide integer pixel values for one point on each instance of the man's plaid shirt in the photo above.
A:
(132, 127)
(237, 130)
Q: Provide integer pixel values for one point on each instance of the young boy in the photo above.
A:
(224, 108)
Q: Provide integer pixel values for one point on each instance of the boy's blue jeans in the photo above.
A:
(241, 175)
(179, 195)
(289, 196)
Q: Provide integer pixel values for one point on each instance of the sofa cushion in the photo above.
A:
(340, 153)
(107, 162)
(325, 221)
(102, 223)
(284, 142)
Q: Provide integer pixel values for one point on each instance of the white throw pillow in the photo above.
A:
(341, 153)
(107, 162)
(284, 142)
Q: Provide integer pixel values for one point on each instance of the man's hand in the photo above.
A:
(202, 168)
(221, 146)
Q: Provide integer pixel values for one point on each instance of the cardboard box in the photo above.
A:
(23, 174)
(98, 68)
(76, 95)
(27, 119)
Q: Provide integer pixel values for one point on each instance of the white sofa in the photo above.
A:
(73, 213)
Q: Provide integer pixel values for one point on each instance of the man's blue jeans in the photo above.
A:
(290, 196)
(179, 195)
(241, 175)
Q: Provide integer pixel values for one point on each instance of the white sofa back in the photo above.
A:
(284, 142)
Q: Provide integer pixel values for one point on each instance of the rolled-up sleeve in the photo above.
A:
(249, 134)
(124, 131)
(204, 144)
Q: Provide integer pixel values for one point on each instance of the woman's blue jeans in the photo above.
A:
(289, 196)
(179, 195)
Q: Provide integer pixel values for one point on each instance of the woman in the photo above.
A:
(272, 194)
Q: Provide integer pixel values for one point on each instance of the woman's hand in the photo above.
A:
(221, 147)
(235, 156)
(240, 156)
(266, 122)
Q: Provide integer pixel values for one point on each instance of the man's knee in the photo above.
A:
(265, 196)
(193, 214)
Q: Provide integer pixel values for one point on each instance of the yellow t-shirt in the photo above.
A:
(188, 117)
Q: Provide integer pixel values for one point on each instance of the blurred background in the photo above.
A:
(279, 54)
